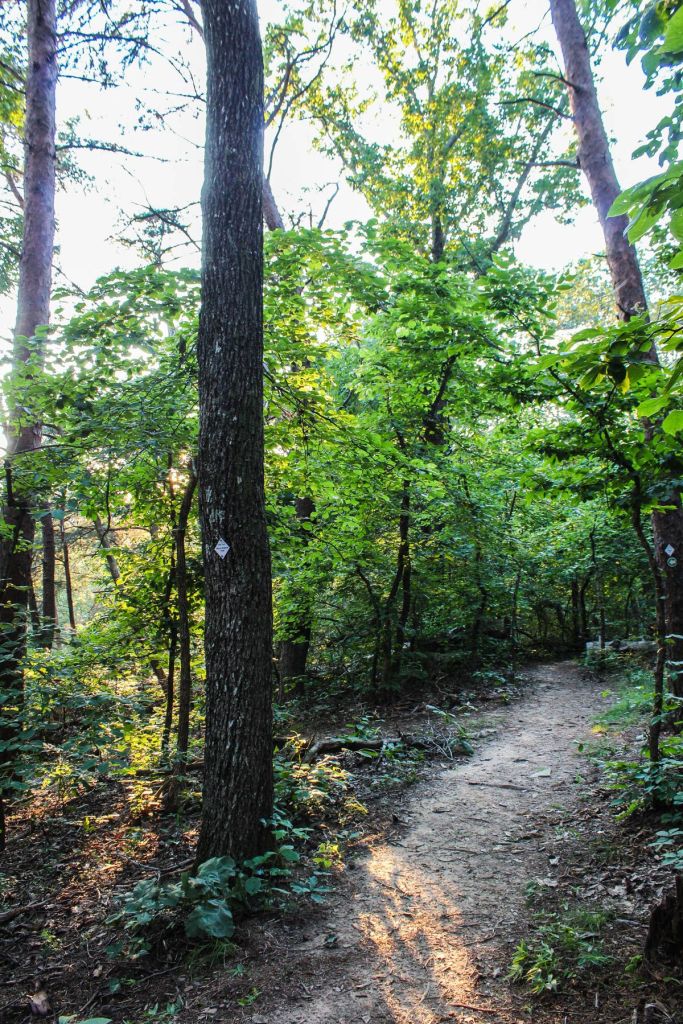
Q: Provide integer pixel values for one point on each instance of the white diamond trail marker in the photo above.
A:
(222, 548)
(669, 550)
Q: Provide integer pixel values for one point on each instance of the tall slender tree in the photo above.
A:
(238, 784)
(47, 525)
(185, 688)
(24, 431)
(596, 161)
(595, 158)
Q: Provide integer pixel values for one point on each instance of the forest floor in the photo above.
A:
(424, 916)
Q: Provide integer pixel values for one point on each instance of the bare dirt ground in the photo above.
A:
(422, 929)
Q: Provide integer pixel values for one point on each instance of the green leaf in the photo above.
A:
(651, 406)
(71, 1019)
(673, 40)
(217, 871)
(676, 225)
(289, 854)
(253, 885)
(673, 423)
(677, 371)
(643, 221)
(212, 918)
(622, 204)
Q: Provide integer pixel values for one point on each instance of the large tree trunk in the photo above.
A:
(596, 162)
(271, 213)
(33, 310)
(238, 776)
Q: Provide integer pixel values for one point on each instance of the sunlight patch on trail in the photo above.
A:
(414, 934)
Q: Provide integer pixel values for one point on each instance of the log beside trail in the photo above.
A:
(335, 744)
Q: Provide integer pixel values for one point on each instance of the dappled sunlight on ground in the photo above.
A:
(414, 924)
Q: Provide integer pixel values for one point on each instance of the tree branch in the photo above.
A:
(538, 103)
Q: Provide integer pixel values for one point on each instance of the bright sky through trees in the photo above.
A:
(169, 174)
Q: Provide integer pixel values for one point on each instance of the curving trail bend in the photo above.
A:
(420, 932)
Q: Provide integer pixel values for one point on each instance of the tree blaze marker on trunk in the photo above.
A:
(238, 783)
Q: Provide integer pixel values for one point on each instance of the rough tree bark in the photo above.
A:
(293, 654)
(33, 309)
(596, 162)
(271, 213)
(667, 531)
(238, 782)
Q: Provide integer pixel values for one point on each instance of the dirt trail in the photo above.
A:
(422, 932)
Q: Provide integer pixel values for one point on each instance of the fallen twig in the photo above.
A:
(9, 915)
(184, 864)
(497, 785)
(477, 1009)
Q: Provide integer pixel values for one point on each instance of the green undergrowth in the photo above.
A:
(638, 785)
(635, 782)
(319, 808)
(207, 902)
(632, 700)
(562, 946)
